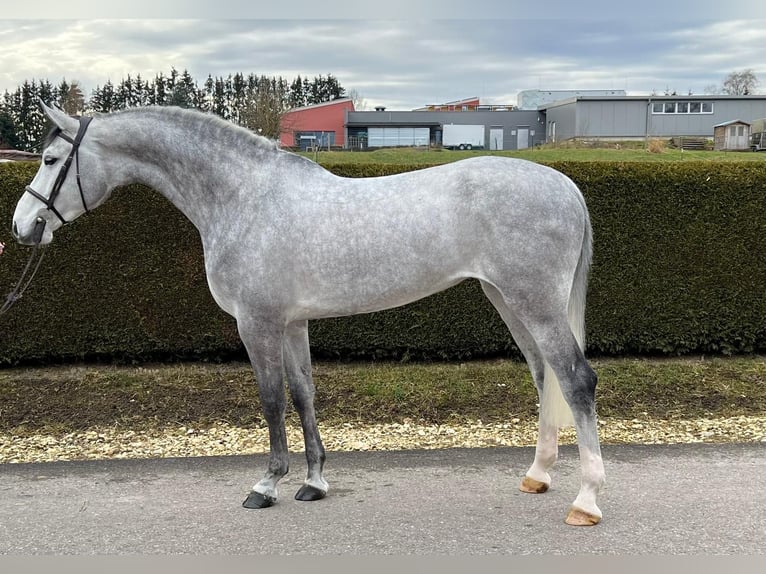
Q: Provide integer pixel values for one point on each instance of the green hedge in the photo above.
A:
(679, 267)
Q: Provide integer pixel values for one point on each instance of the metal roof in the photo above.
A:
(730, 122)
(648, 98)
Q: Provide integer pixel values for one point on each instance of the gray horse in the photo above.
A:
(286, 241)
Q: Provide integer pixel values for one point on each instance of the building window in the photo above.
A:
(682, 107)
(736, 131)
(310, 140)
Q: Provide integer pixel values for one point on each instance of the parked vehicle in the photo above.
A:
(456, 136)
(758, 135)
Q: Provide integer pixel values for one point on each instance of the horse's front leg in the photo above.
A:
(297, 360)
(263, 341)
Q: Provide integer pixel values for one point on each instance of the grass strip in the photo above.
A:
(76, 398)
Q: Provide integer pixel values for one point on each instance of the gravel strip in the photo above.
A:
(223, 439)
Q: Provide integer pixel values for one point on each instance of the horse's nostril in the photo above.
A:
(15, 230)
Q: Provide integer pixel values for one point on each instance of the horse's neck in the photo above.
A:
(191, 165)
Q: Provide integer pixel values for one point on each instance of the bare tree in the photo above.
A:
(742, 83)
(266, 104)
(712, 90)
(360, 104)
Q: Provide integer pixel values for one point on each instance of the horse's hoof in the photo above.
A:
(308, 493)
(532, 486)
(577, 517)
(258, 500)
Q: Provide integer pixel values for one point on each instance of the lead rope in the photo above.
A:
(24, 281)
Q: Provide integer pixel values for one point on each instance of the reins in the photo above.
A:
(24, 281)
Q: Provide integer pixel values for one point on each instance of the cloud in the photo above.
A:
(401, 64)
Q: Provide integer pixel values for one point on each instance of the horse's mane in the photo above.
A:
(205, 122)
(192, 117)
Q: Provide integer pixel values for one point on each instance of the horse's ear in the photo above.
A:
(59, 117)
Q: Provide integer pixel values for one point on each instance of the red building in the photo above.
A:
(321, 124)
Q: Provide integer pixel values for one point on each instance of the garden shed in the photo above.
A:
(733, 135)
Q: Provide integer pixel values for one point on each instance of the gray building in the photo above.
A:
(637, 117)
(590, 117)
(504, 130)
(534, 99)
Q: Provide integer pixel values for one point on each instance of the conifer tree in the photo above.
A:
(255, 101)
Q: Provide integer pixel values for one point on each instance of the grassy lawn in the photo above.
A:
(72, 398)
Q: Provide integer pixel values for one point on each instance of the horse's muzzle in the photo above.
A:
(34, 238)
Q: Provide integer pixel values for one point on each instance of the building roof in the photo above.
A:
(464, 102)
(17, 155)
(731, 122)
(313, 106)
(425, 118)
(650, 98)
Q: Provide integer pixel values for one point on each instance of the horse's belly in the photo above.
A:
(366, 298)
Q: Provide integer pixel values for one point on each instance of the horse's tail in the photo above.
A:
(554, 408)
(580, 284)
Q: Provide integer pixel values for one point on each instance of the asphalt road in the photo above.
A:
(680, 499)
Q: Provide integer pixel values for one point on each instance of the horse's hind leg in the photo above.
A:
(537, 480)
(541, 331)
(263, 341)
(578, 385)
(297, 361)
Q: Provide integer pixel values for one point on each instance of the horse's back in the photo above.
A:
(490, 190)
(465, 204)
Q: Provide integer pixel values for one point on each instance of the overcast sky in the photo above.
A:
(401, 55)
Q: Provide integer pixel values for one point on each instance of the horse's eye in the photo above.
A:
(50, 160)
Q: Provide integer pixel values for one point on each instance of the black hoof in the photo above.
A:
(258, 500)
(308, 493)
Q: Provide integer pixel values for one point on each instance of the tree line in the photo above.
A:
(253, 101)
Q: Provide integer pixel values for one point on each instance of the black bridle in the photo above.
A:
(50, 201)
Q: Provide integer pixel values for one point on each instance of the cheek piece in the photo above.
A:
(50, 201)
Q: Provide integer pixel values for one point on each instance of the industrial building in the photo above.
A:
(503, 130)
(587, 115)
(320, 125)
(639, 117)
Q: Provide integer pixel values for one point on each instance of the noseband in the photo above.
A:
(74, 153)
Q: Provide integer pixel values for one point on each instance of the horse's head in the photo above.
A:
(66, 185)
